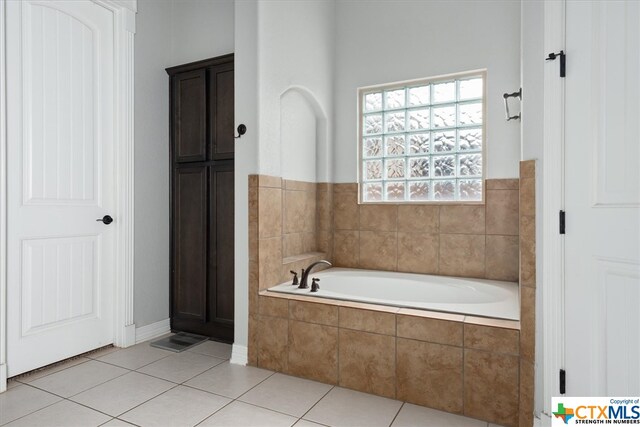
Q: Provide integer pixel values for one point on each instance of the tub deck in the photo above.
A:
(466, 296)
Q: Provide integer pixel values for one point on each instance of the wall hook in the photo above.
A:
(242, 129)
(506, 96)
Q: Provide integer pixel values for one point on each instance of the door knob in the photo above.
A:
(105, 219)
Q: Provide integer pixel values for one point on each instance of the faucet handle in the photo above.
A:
(314, 284)
(295, 277)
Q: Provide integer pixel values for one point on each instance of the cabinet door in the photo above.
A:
(221, 108)
(189, 116)
(190, 215)
(222, 246)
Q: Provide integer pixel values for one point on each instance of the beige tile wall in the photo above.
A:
(453, 240)
(299, 211)
(289, 224)
(458, 364)
(481, 368)
(527, 224)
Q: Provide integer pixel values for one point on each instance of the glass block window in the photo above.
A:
(422, 141)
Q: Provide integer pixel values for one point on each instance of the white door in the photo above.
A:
(602, 198)
(60, 57)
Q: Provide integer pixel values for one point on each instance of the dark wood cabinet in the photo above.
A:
(202, 197)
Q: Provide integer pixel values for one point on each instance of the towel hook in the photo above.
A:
(242, 129)
(506, 96)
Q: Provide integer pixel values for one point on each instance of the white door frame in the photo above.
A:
(552, 245)
(124, 16)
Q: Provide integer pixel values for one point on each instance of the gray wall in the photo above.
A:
(169, 32)
(387, 41)
(279, 45)
(532, 148)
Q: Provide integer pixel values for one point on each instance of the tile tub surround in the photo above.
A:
(465, 240)
(459, 364)
(527, 224)
(286, 334)
(290, 225)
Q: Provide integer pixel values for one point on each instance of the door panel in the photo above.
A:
(602, 258)
(189, 116)
(60, 180)
(190, 243)
(222, 109)
(222, 221)
(59, 82)
(59, 277)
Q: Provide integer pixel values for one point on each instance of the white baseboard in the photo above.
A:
(154, 330)
(129, 335)
(3, 377)
(239, 355)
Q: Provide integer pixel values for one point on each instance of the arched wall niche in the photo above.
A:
(304, 145)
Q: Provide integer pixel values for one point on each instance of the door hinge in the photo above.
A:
(563, 381)
(563, 61)
(562, 222)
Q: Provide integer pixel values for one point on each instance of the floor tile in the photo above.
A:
(63, 414)
(229, 380)
(11, 383)
(213, 348)
(290, 395)
(419, 416)
(180, 367)
(180, 406)
(136, 356)
(305, 423)
(543, 421)
(23, 400)
(116, 423)
(342, 407)
(78, 378)
(102, 352)
(123, 393)
(34, 375)
(244, 415)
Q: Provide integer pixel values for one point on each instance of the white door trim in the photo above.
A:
(3, 199)
(552, 247)
(124, 15)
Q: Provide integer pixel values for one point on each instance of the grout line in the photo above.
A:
(142, 403)
(307, 421)
(272, 374)
(68, 399)
(92, 387)
(464, 356)
(314, 405)
(214, 412)
(44, 407)
(128, 422)
(264, 407)
(133, 370)
(395, 358)
(18, 378)
(397, 413)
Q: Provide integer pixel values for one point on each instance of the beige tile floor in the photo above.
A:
(146, 386)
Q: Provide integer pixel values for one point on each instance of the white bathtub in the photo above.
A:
(476, 297)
